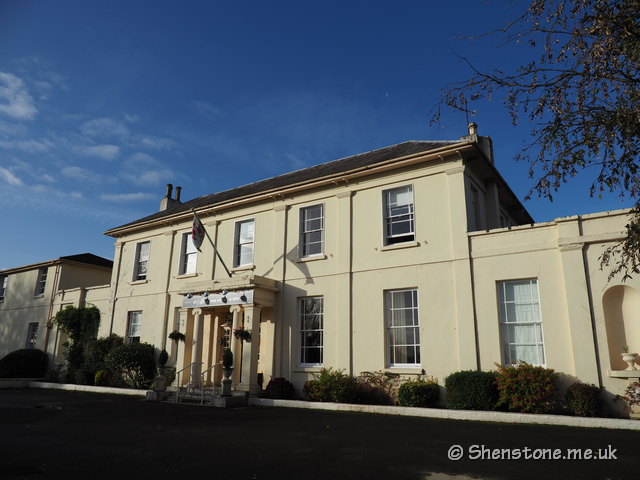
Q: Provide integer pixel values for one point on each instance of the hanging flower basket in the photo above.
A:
(177, 336)
(242, 334)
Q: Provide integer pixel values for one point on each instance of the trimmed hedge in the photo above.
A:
(419, 393)
(584, 399)
(471, 390)
(331, 386)
(25, 363)
(279, 388)
(135, 363)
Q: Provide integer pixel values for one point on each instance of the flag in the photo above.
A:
(197, 232)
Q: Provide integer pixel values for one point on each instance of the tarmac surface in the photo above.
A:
(58, 434)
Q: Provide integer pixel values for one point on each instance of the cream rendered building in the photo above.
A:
(416, 256)
(30, 297)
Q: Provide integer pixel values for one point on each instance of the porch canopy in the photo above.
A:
(206, 305)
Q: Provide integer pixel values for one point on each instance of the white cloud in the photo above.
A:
(131, 118)
(31, 146)
(9, 177)
(44, 88)
(15, 101)
(106, 152)
(155, 143)
(143, 169)
(104, 127)
(78, 173)
(127, 197)
(207, 110)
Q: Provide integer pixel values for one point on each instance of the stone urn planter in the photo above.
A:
(226, 383)
(630, 358)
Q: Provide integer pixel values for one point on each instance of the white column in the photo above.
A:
(237, 361)
(250, 350)
(196, 348)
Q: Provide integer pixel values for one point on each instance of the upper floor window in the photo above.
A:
(398, 215)
(42, 281)
(311, 230)
(135, 327)
(243, 244)
(32, 335)
(520, 322)
(4, 279)
(403, 328)
(188, 255)
(141, 261)
(311, 331)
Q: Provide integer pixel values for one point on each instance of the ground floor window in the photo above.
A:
(311, 312)
(520, 322)
(32, 335)
(403, 328)
(135, 327)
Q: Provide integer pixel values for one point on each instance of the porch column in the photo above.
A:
(250, 350)
(179, 354)
(235, 309)
(196, 368)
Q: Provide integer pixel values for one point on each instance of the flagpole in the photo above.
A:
(214, 247)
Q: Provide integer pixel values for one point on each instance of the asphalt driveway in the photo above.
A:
(57, 434)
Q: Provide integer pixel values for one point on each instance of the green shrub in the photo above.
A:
(422, 392)
(584, 399)
(81, 326)
(134, 362)
(331, 386)
(95, 358)
(525, 388)
(279, 388)
(25, 363)
(471, 390)
(378, 388)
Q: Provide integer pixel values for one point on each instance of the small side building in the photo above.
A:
(30, 297)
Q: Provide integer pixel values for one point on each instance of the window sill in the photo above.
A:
(311, 258)
(39, 296)
(309, 369)
(405, 370)
(186, 275)
(139, 282)
(396, 246)
(244, 268)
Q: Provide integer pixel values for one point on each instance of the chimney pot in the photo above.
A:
(473, 128)
(178, 190)
(169, 189)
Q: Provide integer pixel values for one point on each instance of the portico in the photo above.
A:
(211, 311)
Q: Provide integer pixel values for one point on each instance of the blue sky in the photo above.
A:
(102, 103)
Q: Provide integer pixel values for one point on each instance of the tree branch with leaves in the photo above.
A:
(582, 97)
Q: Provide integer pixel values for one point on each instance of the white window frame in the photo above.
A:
(391, 218)
(306, 231)
(239, 244)
(4, 280)
(134, 326)
(41, 284)
(307, 332)
(400, 334)
(188, 255)
(531, 318)
(141, 264)
(32, 336)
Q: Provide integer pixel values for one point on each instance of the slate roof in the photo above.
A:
(300, 176)
(90, 259)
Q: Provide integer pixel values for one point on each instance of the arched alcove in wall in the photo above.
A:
(621, 306)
